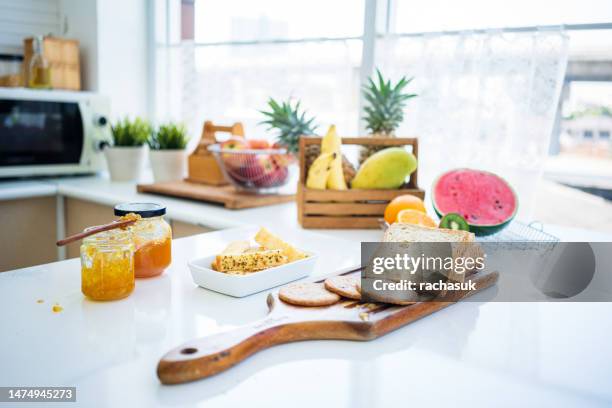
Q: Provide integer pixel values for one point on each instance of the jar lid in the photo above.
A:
(145, 210)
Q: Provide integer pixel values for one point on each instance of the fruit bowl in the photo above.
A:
(262, 171)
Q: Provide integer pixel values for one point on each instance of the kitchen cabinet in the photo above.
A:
(80, 214)
(183, 229)
(29, 230)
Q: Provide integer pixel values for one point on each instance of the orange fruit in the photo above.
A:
(403, 202)
(415, 217)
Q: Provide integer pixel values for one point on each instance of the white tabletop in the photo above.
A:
(503, 354)
(476, 353)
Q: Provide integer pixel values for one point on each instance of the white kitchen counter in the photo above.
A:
(102, 191)
(14, 190)
(476, 353)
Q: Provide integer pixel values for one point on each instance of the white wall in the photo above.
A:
(113, 37)
(113, 43)
(80, 21)
(122, 55)
(25, 18)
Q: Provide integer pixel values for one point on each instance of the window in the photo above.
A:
(247, 20)
(495, 85)
(444, 15)
(604, 134)
(244, 52)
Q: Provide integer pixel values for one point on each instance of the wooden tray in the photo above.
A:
(350, 208)
(226, 195)
(346, 320)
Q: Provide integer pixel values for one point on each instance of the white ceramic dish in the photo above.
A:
(244, 285)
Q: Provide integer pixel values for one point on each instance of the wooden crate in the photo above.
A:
(63, 57)
(349, 209)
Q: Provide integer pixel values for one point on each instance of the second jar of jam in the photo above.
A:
(152, 237)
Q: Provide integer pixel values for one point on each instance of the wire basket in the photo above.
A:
(520, 236)
(518, 231)
(261, 171)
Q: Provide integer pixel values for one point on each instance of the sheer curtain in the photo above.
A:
(486, 100)
(229, 83)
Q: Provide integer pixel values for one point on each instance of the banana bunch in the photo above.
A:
(326, 170)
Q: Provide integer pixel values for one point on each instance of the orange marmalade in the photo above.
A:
(153, 257)
(107, 265)
(152, 237)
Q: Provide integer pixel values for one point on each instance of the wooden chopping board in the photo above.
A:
(226, 195)
(345, 320)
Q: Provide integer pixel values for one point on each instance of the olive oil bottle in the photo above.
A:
(39, 72)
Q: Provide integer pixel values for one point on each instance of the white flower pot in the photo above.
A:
(125, 163)
(169, 165)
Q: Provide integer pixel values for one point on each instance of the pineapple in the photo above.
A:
(384, 109)
(290, 123)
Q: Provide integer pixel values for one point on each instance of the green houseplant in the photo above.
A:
(126, 157)
(168, 154)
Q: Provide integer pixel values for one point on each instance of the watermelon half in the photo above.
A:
(485, 200)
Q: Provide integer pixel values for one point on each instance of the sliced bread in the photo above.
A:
(413, 233)
(268, 240)
(250, 260)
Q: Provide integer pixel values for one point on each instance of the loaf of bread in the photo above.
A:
(462, 243)
(413, 233)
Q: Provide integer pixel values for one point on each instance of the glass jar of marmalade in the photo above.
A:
(152, 237)
(107, 265)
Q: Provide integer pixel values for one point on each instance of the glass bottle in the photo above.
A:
(39, 72)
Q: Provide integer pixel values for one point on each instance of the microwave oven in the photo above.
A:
(48, 132)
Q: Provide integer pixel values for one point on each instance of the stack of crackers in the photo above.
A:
(322, 294)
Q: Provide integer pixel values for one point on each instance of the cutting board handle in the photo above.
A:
(212, 354)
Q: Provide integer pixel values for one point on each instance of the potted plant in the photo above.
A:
(127, 156)
(168, 154)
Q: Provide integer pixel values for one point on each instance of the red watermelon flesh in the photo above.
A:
(482, 198)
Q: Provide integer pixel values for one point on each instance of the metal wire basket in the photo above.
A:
(261, 171)
(518, 231)
(515, 232)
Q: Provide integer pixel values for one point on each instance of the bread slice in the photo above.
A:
(268, 240)
(413, 233)
(236, 247)
(251, 260)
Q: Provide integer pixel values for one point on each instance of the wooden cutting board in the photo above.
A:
(226, 195)
(346, 320)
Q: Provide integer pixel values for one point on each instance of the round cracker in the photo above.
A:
(345, 286)
(307, 294)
